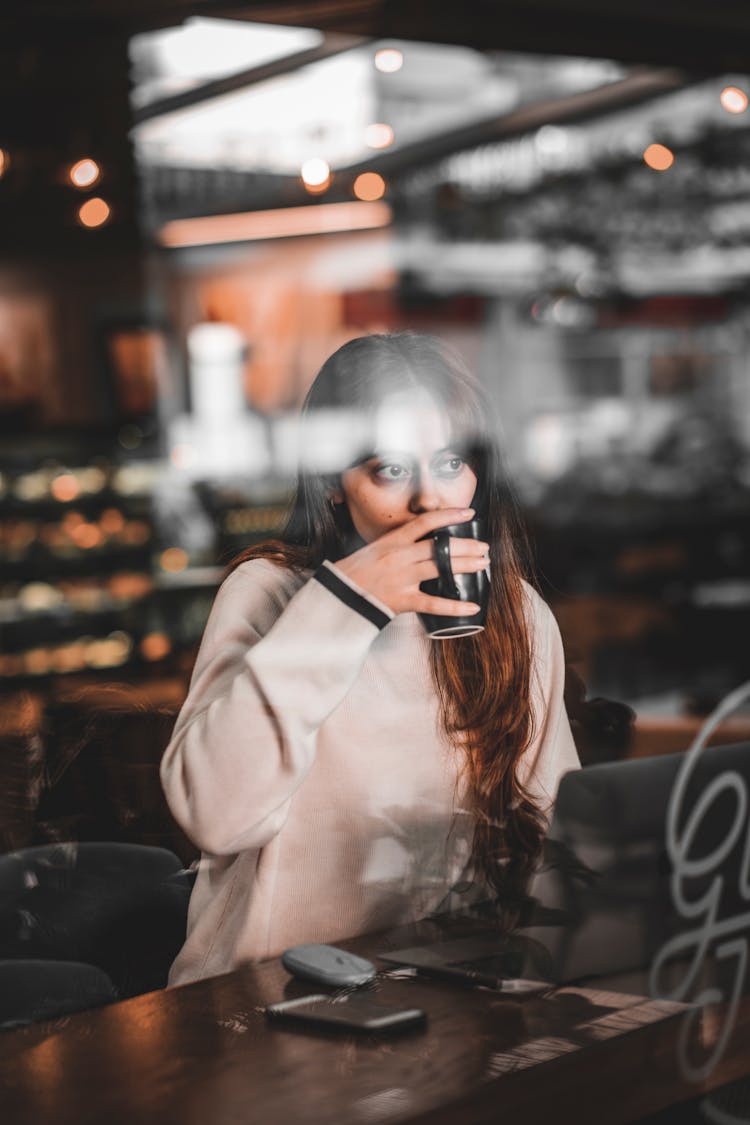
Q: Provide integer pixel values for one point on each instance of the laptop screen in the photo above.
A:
(609, 884)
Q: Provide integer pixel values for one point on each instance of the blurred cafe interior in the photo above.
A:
(199, 203)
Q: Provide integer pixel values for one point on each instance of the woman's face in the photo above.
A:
(416, 466)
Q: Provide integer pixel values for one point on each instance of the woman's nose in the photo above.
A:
(425, 497)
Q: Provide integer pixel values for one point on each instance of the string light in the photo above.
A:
(86, 535)
(658, 157)
(65, 487)
(388, 60)
(173, 560)
(84, 173)
(155, 646)
(94, 212)
(733, 99)
(369, 186)
(316, 174)
(378, 135)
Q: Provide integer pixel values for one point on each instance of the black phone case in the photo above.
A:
(351, 1013)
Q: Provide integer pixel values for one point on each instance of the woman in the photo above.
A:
(342, 772)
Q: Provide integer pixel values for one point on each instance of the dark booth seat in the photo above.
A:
(43, 990)
(120, 909)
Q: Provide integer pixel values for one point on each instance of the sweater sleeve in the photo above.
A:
(552, 751)
(270, 669)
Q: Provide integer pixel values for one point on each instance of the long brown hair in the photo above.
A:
(483, 681)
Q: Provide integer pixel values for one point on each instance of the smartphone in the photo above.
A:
(352, 1012)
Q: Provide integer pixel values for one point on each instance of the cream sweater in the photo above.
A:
(309, 765)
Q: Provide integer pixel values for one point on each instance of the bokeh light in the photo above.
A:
(388, 60)
(378, 135)
(111, 521)
(65, 487)
(4, 161)
(369, 186)
(86, 535)
(733, 99)
(173, 560)
(94, 212)
(316, 174)
(155, 646)
(658, 157)
(84, 173)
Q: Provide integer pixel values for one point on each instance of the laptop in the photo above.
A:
(603, 902)
(480, 959)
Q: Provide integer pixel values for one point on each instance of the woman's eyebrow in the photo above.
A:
(382, 455)
(391, 455)
(455, 448)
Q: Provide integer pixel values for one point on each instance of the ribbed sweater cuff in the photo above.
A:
(346, 592)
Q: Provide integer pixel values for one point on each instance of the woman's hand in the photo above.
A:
(393, 565)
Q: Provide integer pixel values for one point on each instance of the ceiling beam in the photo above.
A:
(332, 45)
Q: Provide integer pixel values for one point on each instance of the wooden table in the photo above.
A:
(204, 1054)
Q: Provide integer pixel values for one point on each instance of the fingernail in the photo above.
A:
(467, 511)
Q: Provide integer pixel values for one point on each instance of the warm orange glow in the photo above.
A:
(4, 161)
(174, 559)
(72, 520)
(388, 60)
(94, 212)
(38, 661)
(111, 521)
(378, 135)
(135, 532)
(127, 586)
(369, 186)
(68, 658)
(108, 652)
(316, 175)
(86, 535)
(155, 646)
(65, 487)
(658, 157)
(733, 99)
(284, 222)
(84, 173)
(318, 189)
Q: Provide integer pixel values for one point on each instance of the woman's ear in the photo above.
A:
(334, 493)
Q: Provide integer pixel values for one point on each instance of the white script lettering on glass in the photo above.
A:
(707, 933)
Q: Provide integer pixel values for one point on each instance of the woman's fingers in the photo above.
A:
(468, 549)
(393, 565)
(424, 571)
(446, 607)
(460, 549)
(426, 522)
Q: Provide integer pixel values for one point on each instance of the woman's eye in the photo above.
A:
(391, 472)
(451, 466)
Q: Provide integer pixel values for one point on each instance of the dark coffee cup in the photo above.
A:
(474, 587)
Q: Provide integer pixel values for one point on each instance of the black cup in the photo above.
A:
(473, 587)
